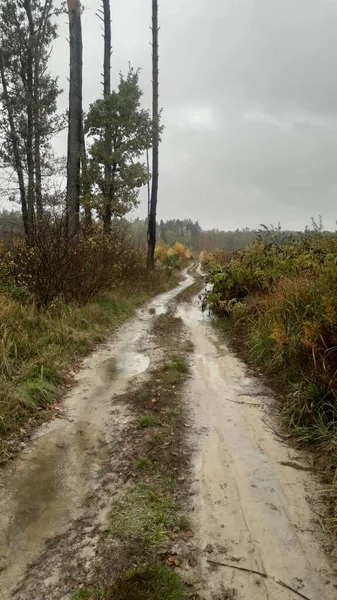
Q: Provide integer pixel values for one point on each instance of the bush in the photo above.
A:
(174, 256)
(73, 270)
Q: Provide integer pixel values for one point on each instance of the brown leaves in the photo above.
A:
(173, 561)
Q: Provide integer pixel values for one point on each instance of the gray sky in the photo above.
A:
(249, 96)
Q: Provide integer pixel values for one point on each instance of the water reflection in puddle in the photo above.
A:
(128, 365)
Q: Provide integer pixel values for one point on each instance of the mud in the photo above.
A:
(70, 458)
(249, 507)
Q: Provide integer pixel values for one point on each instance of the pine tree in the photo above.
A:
(131, 132)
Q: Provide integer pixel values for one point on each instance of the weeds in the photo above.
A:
(142, 463)
(142, 514)
(175, 370)
(148, 582)
(148, 420)
(151, 582)
(183, 523)
(88, 594)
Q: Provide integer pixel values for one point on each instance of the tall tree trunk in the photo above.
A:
(108, 170)
(30, 116)
(151, 235)
(86, 187)
(37, 139)
(40, 38)
(16, 151)
(75, 118)
(107, 48)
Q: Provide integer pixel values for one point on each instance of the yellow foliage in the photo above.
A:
(311, 335)
(329, 311)
(174, 256)
(160, 251)
(279, 335)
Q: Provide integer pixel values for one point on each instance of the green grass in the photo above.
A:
(148, 420)
(143, 463)
(175, 370)
(142, 514)
(183, 523)
(37, 347)
(192, 290)
(88, 594)
(150, 582)
(188, 346)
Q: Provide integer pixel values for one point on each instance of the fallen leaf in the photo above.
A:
(209, 548)
(188, 534)
(172, 561)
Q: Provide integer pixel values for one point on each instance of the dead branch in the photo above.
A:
(221, 564)
(261, 574)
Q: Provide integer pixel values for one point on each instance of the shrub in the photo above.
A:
(175, 256)
(76, 269)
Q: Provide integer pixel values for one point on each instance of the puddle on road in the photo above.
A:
(244, 500)
(46, 488)
(128, 365)
(48, 485)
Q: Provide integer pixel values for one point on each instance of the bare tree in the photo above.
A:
(109, 168)
(107, 47)
(75, 117)
(104, 15)
(86, 195)
(151, 236)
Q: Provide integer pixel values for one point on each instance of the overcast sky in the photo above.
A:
(249, 96)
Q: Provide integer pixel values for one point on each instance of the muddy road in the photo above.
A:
(250, 507)
(251, 502)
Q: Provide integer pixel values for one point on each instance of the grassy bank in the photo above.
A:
(37, 348)
(280, 306)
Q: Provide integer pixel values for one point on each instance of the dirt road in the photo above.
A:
(250, 510)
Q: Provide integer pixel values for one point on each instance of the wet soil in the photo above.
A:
(250, 507)
(74, 462)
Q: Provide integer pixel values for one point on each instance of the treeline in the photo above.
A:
(185, 231)
(190, 234)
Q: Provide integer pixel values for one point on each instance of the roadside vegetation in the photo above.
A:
(279, 301)
(172, 256)
(47, 324)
